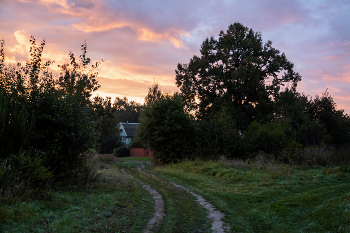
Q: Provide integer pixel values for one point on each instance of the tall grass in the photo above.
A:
(265, 195)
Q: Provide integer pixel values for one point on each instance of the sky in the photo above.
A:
(142, 41)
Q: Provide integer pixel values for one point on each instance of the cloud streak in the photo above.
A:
(142, 41)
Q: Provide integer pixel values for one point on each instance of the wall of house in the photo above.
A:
(128, 140)
(140, 152)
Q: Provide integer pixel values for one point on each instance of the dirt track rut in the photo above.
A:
(218, 226)
(158, 212)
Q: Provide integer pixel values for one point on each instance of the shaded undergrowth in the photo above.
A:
(113, 203)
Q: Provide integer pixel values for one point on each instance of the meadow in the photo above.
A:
(256, 196)
(265, 196)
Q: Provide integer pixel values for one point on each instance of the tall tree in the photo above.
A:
(167, 129)
(232, 71)
(337, 124)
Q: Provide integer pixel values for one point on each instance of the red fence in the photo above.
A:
(140, 152)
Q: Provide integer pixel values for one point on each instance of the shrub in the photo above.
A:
(24, 175)
(122, 151)
(49, 117)
(269, 137)
(109, 144)
(314, 134)
(167, 129)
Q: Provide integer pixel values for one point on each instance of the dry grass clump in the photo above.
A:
(235, 163)
(108, 158)
(87, 173)
(266, 161)
(261, 161)
(310, 157)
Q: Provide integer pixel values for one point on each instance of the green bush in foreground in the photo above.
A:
(45, 120)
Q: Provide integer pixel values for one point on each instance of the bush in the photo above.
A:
(314, 134)
(167, 129)
(269, 137)
(24, 175)
(122, 151)
(109, 144)
(49, 117)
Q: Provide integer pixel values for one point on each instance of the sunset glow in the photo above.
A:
(141, 42)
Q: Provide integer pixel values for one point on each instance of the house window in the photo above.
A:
(121, 130)
(123, 138)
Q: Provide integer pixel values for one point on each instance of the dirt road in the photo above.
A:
(213, 218)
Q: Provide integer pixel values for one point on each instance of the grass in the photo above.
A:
(183, 213)
(256, 196)
(113, 203)
(145, 159)
(269, 197)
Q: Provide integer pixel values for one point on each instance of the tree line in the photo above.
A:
(238, 98)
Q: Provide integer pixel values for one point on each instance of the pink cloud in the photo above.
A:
(142, 41)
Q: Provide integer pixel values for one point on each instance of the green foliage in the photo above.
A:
(108, 115)
(233, 70)
(337, 124)
(109, 144)
(122, 151)
(154, 93)
(24, 175)
(167, 129)
(290, 108)
(218, 137)
(48, 116)
(15, 130)
(269, 137)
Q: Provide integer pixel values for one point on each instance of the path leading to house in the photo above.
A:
(218, 226)
(158, 213)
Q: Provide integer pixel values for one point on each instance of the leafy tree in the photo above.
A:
(50, 116)
(290, 108)
(232, 71)
(154, 93)
(337, 124)
(109, 115)
(127, 111)
(268, 137)
(218, 137)
(167, 129)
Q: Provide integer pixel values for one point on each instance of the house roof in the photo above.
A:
(130, 128)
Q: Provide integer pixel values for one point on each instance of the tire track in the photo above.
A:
(218, 226)
(158, 212)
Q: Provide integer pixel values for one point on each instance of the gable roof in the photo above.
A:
(130, 128)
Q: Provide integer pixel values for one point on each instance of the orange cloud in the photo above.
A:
(100, 19)
(23, 45)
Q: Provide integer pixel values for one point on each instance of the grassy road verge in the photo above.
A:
(274, 198)
(114, 203)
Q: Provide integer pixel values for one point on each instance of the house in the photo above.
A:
(127, 131)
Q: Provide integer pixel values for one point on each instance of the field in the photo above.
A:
(256, 196)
